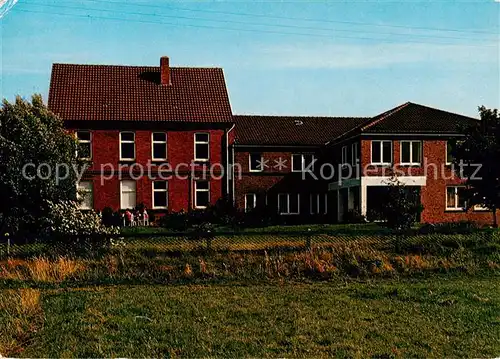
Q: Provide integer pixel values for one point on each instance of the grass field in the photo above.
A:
(436, 317)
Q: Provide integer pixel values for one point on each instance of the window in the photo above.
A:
(449, 152)
(354, 154)
(127, 146)
(127, 194)
(318, 204)
(202, 194)
(201, 146)
(381, 152)
(255, 162)
(411, 152)
(288, 203)
(302, 161)
(87, 194)
(344, 155)
(250, 201)
(159, 146)
(160, 194)
(84, 145)
(455, 198)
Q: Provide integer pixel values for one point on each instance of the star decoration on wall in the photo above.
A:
(262, 164)
(280, 164)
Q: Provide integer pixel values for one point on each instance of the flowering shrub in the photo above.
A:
(65, 222)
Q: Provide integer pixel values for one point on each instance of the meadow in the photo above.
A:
(269, 295)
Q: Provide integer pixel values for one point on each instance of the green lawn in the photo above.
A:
(437, 317)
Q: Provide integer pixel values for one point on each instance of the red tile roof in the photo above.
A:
(291, 130)
(134, 93)
(414, 118)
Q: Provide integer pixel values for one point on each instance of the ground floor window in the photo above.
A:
(318, 203)
(127, 194)
(160, 194)
(86, 189)
(455, 198)
(288, 203)
(202, 194)
(250, 201)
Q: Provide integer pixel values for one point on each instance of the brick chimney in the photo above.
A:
(165, 71)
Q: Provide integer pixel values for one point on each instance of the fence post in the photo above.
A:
(308, 239)
(8, 244)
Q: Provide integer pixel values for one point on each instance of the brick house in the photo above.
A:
(175, 124)
(153, 119)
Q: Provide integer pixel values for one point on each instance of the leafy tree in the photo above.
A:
(477, 156)
(401, 205)
(34, 148)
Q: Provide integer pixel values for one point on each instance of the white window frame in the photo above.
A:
(254, 200)
(84, 141)
(411, 163)
(153, 142)
(196, 190)
(154, 190)
(122, 192)
(250, 162)
(86, 193)
(354, 154)
(318, 197)
(446, 153)
(344, 155)
(288, 195)
(127, 141)
(381, 143)
(455, 208)
(207, 142)
(302, 161)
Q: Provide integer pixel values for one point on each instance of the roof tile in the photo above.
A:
(134, 93)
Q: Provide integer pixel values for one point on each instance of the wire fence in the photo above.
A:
(175, 242)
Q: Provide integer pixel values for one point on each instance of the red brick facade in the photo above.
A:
(106, 169)
(183, 102)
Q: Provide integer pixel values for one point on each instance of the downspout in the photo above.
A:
(227, 163)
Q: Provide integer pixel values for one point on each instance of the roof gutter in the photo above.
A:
(239, 145)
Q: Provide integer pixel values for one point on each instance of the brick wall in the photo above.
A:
(439, 176)
(180, 149)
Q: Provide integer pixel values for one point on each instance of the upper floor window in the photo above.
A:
(302, 161)
(381, 152)
(250, 201)
(201, 194)
(411, 152)
(84, 144)
(127, 146)
(201, 146)
(288, 203)
(455, 198)
(318, 203)
(86, 189)
(127, 194)
(354, 154)
(449, 152)
(255, 162)
(344, 155)
(159, 146)
(160, 194)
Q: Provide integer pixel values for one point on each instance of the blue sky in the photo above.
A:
(339, 58)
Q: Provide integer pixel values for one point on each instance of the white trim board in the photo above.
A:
(386, 180)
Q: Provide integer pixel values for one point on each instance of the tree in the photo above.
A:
(477, 156)
(38, 165)
(401, 205)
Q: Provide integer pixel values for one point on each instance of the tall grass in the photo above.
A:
(21, 316)
(356, 258)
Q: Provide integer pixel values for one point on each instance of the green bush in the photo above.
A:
(65, 223)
